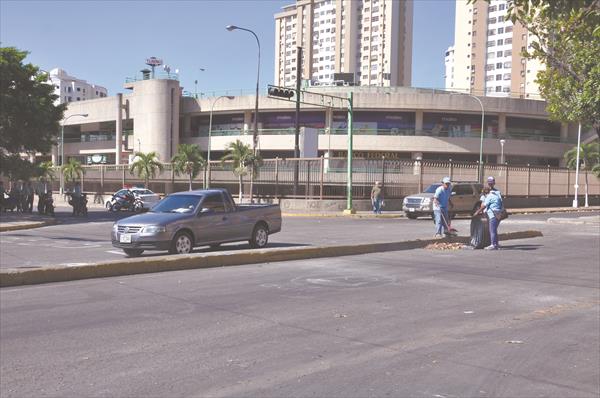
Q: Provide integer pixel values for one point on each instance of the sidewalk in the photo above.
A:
(15, 221)
(400, 214)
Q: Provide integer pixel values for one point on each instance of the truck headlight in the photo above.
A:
(426, 201)
(115, 228)
(154, 229)
(405, 201)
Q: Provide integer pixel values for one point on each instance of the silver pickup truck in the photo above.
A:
(184, 220)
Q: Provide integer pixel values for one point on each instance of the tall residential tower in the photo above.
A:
(369, 39)
(486, 57)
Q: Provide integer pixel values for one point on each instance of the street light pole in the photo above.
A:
(255, 135)
(207, 169)
(502, 142)
(576, 199)
(62, 148)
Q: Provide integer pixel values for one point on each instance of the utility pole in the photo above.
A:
(297, 124)
(349, 208)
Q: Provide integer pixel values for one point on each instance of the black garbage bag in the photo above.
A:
(480, 232)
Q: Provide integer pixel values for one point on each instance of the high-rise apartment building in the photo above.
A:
(369, 39)
(486, 57)
(69, 88)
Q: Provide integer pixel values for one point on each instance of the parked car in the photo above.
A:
(145, 197)
(184, 220)
(465, 198)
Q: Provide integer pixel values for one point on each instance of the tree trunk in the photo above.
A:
(240, 192)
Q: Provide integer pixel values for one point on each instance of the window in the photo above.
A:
(69, 90)
(489, 67)
(489, 78)
(491, 55)
(508, 64)
(501, 7)
(78, 98)
(498, 77)
(507, 76)
(500, 42)
(499, 65)
(500, 30)
(508, 41)
(214, 202)
(78, 88)
(492, 32)
(506, 89)
(491, 43)
(491, 8)
(508, 53)
(501, 18)
(491, 20)
(509, 29)
(499, 54)
(498, 89)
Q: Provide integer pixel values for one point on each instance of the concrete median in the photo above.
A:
(17, 277)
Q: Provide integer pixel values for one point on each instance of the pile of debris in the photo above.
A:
(445, 246)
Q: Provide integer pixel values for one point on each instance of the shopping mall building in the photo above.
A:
(395, 122)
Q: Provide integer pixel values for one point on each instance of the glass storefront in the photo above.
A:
(532, 129)
(200, 124)
(457, 125)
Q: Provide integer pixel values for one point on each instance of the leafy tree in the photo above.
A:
(45, 171)
(72, 170)
(29, 120)
(188, 160)
(589, 156)
(596, 170)
(567, 41)
(145, 165)
(243, 159)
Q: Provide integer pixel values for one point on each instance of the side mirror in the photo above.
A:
(453, 193)
(205, 211)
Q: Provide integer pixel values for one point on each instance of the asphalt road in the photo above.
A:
(79, 241)
(520, 322)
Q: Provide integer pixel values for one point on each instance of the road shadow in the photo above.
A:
(520, 247)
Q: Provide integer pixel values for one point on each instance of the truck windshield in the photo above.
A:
(177, 204)
(432, 188)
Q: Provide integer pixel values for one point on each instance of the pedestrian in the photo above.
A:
(28, 197)
(491, 182)
(441, 201)
(377, 197)
(492, 206)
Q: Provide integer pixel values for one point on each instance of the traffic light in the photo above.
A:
(281, 92)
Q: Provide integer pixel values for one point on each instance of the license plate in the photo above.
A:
(411, 210)
(125, 238)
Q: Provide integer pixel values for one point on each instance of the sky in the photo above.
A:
(104, 42)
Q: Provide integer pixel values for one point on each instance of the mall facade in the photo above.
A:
(395, 122)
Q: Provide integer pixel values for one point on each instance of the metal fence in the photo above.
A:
(322, 178)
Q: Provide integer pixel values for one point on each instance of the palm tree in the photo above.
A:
(238, 153)
(588, 156)
(72, 170)
(145, 165)
(188, 160)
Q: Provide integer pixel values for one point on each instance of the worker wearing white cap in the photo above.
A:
(441, 201)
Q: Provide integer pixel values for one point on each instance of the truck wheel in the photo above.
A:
(133, 252)
(260, 236)
(411, 216)
(182, 243)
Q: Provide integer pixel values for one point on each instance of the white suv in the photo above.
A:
(465, 198)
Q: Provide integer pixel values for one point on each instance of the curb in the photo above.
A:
(18, 277)
(28, 225)
(575, 221)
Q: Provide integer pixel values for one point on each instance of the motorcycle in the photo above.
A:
(79, 203)
(127, 202)
(46, 204)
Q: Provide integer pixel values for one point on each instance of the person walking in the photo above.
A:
(492, 205)
(377, 197)
(441, 201)
(28, 197)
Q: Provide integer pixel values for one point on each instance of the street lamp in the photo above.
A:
(62, 148)
(480, 172)
(207, 170)
(502, 142)
(255, 135)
